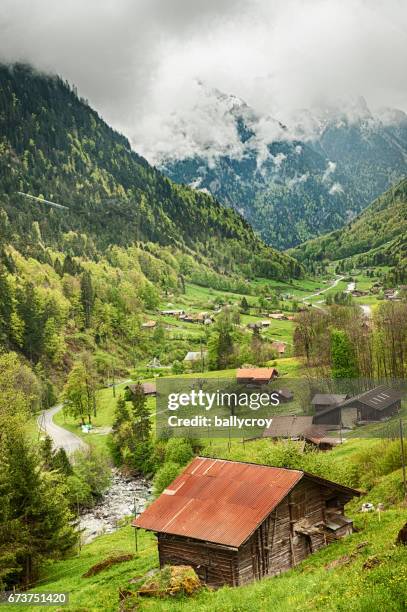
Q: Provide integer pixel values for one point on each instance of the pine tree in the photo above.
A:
(30, 312)
(46, 452)
(256, 345)
(121, 414)
(61, 463)
(141, 413)
(344, 363)
(87, 297)
(35, 522)
(244, 305)
(6, 307)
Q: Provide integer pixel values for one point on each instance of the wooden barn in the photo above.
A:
(322, 401)
(236, 522)
(376, 404)
(149, 389)
(255, 376)
(291, 427)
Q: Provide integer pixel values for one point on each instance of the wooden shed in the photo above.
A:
(322, 401)
(376, 404)
(236, 522)
(255, 376)
(279, 347)
(286, 426)
(149, 389)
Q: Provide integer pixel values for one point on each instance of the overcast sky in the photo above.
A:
(139, 61)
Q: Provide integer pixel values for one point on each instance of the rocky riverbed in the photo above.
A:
(117, 503)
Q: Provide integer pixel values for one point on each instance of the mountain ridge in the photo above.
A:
(53, 144)
(291, 183)
(377, 236)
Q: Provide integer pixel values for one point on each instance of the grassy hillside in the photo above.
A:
(377, 236)
(364, 571)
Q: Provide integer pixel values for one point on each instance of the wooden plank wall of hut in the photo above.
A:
(215, 565)
(275, 547)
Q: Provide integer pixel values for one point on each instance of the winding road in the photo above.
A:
(62, 438)
(331, 286)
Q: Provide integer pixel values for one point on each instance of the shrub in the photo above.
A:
(93, 468)
(172, 580)
(79, 492)
(165, 476)
(179, 451)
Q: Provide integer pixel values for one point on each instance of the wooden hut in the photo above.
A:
(255, 376)
(236, 522)
(322, 401)
(279, 347)
(149, 389)
(376, 404)
(285, 426)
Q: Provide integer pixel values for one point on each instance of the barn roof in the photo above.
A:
(148, 388)
(256, 374)
(378, 398)
(288, 426)
(328, 399)
(221, 501)
(278, 346)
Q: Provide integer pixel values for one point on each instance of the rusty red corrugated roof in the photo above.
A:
(218, 501)
(256, 374)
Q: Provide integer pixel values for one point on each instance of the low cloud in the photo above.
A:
(330, 169)
(140, 63)
(336, 188)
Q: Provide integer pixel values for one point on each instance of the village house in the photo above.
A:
(392, 295)
(149, 389)
(318, 436)
(278, 316)
(173, 313)
(200, 317)
(236, 522)
(279, 347)
(300, 427)
(194, 356)
(377, 404)
(149, 325)
(322, 401)
(254, 326)
(255, 376)
(290, 427)
(359, 293)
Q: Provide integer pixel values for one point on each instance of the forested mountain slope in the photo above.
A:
(53, 144)
(84, 278)
(294, 181)
(378, 236)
